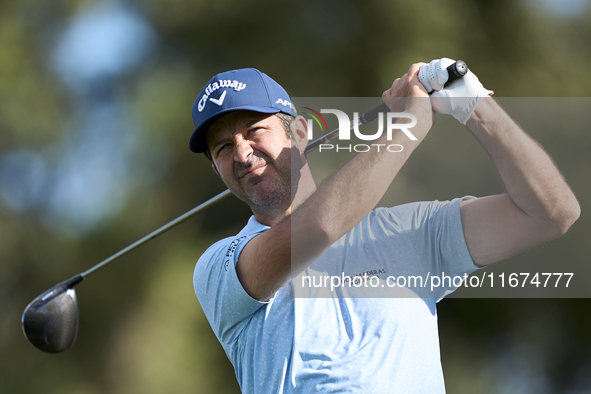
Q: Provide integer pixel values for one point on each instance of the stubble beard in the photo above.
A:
(269, 192)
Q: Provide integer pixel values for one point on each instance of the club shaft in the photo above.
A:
(323, 140)
(156, 233)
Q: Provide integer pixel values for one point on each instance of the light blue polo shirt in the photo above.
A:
(345, 339)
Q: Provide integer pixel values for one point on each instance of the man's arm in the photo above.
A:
(340, 202)
(538, 205)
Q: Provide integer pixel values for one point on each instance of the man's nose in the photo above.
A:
(242, 151)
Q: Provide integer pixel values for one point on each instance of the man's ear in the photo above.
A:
(299, 132)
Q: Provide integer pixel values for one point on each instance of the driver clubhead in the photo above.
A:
(50, 321)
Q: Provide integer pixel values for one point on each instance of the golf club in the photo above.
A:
(50, 321)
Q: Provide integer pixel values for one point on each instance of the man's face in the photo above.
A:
(251, 152)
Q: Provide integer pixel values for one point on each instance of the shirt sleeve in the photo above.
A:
(226, 304)
(434, 229)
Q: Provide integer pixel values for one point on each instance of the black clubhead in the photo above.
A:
(50, 321)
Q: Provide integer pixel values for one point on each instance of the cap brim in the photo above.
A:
(198, 142)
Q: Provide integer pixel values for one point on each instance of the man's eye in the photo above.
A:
(222, 147)
(253, 130)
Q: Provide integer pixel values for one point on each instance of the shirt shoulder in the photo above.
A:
(219, 291)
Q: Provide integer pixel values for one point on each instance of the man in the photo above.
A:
(279, 343)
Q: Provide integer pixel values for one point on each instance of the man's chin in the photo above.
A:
(264, 194)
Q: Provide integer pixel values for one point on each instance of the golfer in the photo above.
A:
(281, 343)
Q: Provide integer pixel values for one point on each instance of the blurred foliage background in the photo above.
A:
(94, 126)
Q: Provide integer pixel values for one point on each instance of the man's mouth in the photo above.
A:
(253, 172)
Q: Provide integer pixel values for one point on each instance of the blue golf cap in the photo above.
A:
(245, 89)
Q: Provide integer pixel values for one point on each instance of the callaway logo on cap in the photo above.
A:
(244, 89)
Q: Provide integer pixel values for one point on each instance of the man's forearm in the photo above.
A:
(338, 204)
(270, 259)
(530, 176)
(348, 195)
(345, 197)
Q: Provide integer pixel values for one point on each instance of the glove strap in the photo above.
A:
(470, 106)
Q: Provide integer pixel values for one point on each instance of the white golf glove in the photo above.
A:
(460, 98)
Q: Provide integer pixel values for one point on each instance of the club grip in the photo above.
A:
(372, 114)
(455, 71)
